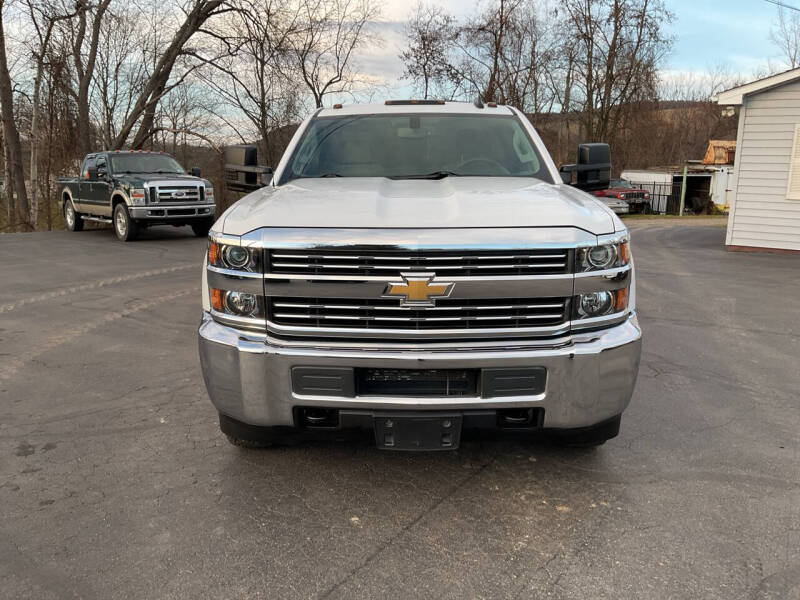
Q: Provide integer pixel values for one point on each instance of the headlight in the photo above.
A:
(600, 258)
(137, 196)
(238, 258)
(621, 196)
(599, 304)
(240, 304)
(210, 195)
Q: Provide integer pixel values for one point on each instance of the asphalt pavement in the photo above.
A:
(116, 483)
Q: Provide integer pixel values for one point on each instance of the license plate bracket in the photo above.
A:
(417, 431)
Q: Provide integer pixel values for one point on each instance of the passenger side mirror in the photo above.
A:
(196, 172)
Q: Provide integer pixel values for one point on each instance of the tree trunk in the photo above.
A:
(86, 72)
(13, 145)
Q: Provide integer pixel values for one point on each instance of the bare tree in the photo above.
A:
(13, 145)
(621, 44)
(123, 55)
(44, 17)
(84, 59)
(328, 33)
(158, 84)
(255, 80)
(430, 34)
(785, 34)
(507, 53)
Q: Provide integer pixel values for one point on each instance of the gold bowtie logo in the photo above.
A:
(418, 289)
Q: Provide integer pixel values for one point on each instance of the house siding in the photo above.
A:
(761, 215)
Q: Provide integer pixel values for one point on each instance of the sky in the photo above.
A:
(707, 33)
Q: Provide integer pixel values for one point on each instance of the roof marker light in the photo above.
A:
(413, 102)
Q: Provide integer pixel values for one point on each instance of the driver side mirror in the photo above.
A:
(195, 172)
(593, 169)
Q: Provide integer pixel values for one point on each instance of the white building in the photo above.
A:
(765, 198)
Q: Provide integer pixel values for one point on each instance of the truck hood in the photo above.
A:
(376, 202)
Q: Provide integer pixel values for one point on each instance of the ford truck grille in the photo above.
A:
(449, 313)
(445, 263)
(177, 193)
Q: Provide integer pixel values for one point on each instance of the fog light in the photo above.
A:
(240, 303)
(236, 256)
(596, 304)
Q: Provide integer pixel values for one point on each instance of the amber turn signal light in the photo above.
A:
(213, 253)
(216, 299)
(620, 299)
(624, 253)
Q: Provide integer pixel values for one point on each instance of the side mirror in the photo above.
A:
(196, 172)
(92, 173)
(566, 176)
(593, 169)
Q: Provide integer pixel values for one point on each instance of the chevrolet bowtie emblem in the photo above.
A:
(418, 289)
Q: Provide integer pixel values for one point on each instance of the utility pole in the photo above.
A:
(683, 191)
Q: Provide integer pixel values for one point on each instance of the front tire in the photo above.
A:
(247, 436)
(71, 217)
(201, 228)
(588, 437)
(125, 227)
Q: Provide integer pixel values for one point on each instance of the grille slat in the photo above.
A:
(449, 313)
(446, 262)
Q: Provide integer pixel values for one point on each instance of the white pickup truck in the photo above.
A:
(419, 269)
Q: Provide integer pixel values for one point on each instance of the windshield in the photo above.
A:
(621, 183)
(416, 146)
(144, 163)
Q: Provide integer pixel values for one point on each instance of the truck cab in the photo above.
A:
(419, 269)
(134, 190)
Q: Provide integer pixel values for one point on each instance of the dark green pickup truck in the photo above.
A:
(134, 190)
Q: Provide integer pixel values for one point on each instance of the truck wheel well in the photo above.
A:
(116, 199)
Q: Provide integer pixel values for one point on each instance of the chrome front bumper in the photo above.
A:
(172, 211)
(589, 379)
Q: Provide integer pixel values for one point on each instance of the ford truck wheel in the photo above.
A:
(73, 219)
(125, 227)
(201, 228)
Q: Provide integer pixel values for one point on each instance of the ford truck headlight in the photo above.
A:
(137, 196)
(237, 258)
(602, 257)
(209, 195)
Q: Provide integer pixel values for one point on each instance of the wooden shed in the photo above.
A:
(765, 198)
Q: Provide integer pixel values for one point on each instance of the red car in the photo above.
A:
(622, 189)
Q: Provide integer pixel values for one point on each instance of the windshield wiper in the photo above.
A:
(434, 175)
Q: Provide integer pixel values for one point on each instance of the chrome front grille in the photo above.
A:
(448, 314)
(445, 263)
(177, 193)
